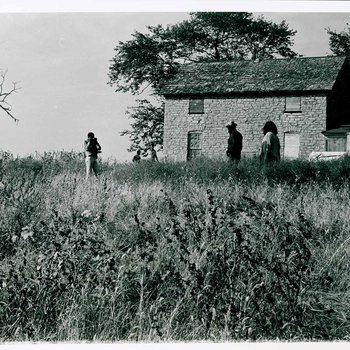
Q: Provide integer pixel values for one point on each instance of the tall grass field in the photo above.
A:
(196, 251)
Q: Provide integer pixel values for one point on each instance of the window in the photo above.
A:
(293, 104)
(291, 145)
(194, 148)
(336, 144)
(196, 106)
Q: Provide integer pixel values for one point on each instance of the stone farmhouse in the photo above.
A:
(307, 98)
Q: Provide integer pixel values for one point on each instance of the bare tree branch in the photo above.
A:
(4, 105)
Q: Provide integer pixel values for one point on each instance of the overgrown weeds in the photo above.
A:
(189, 251)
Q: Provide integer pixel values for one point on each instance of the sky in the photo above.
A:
(60, 58)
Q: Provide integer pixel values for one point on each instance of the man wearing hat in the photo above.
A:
(234, 142)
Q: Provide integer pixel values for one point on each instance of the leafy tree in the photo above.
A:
(216, 36)
(339, 43)
(147, 126)
(4, 94)
(148, 60)
(264, 39)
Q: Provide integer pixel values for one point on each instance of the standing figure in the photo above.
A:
(154, 157)
(234, 142)
(91, 148)
(270, 146)
(137, 157)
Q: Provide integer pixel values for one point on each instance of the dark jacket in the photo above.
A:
(92, 147)
(235, 145)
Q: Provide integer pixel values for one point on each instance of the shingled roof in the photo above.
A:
(292, 74)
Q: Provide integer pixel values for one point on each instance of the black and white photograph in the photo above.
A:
(175, 173)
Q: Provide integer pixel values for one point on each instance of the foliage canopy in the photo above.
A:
(339, 42)
(147, 126)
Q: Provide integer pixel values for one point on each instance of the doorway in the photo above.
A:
(291, 145)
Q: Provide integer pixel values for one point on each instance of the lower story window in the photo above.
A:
(194, 144)
(336, 144)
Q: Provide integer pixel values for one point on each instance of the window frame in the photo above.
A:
(198, 148)
(196, 105)
(334, 142)
(289, 107)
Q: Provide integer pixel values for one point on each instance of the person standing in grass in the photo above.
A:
(137, 157)
(234, 142)
(91, 148)
(270, 146)
(154, 157)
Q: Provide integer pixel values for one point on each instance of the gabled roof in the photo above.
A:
(274, 75)
(338, 131)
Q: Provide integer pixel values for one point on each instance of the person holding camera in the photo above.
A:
(91, 148)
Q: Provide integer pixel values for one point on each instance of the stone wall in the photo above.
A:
(250, 114)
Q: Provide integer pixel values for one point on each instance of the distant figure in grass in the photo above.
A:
(270, 146)
(234, 142)
(137, 157)
(91, 148)
(154, 157)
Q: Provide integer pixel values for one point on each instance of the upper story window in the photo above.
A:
(293, 104)
(196, 106)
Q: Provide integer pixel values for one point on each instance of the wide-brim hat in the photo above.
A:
(230, 124)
